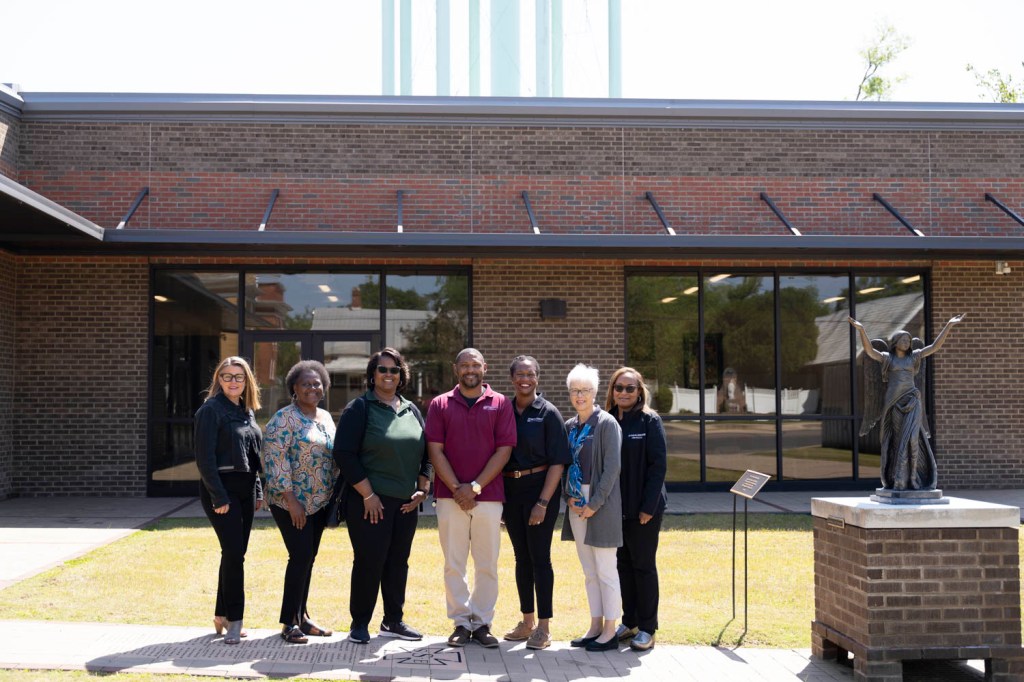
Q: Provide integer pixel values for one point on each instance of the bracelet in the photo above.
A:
(543, 504)
(368, 496)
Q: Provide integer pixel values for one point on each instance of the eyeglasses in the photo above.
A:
(308, 386)
(236, 378)
(630, 389)
(388, 370)
(580, 392)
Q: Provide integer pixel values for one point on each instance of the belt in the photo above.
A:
(519, 473)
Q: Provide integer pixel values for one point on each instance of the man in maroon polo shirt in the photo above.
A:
(471, 431)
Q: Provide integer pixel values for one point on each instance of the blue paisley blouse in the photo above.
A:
(297, 456)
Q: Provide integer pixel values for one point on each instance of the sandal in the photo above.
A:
(293, 635)
(313, 630)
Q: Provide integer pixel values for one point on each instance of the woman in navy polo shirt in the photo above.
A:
(532, 477)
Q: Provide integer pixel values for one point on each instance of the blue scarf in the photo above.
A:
(575, 479)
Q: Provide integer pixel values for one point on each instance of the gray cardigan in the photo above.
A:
(604, 528)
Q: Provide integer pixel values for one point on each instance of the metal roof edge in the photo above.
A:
(584, 245)
(40, 203)
(43, 105)
(10, 101)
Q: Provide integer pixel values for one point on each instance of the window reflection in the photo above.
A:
(428, 321)
(683, 440)
(739, 343)
(735, 446)
(820, 450)
(815, 344)
(661, 324)
(317, 301)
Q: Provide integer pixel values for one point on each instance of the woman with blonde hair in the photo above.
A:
(642, 483)
(227, 446)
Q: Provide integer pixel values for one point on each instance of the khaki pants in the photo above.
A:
(600, 572)
(476, 532)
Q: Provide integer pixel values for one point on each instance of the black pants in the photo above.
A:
(380, 558)
(638, 573)
(232, 530)
(302, 548)
(531, 544)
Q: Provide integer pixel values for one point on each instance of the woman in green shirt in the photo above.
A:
(382, 453)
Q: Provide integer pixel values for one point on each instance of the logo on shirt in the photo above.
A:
(532, 420)
(637, 436)
(490, 408)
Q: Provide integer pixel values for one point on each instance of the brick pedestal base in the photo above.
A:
(908, 583)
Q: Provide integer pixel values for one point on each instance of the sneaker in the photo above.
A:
(484, 638)
(642, 642)
(625, 632)
(538, 640)
(359, 634)
(520, 633)
(399, 630)
(460, 636)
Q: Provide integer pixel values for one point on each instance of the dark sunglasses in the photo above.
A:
(389, 370)
(619, 388)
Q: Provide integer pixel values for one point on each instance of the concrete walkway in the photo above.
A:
(39, 533)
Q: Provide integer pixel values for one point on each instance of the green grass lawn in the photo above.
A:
(166, 574)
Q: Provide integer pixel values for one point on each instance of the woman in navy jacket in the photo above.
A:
(227, 445)
(642, 482)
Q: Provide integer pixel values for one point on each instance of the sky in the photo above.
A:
(671, 49)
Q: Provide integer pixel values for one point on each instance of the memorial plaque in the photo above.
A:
(750, 484)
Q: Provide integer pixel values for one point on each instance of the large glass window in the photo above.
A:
(739, 342)
(706, 344)
(336, 318)
(662, 341)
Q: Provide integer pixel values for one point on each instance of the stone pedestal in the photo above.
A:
(906, 582)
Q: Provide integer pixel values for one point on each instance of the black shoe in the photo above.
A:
(460, 636)
(359, 634)
(611, 645)
(583, 641)
(399, 630)
(484, 638)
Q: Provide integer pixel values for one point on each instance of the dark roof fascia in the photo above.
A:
(605, 246)
(522, 110)
(51, 211)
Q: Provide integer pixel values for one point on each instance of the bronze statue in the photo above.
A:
(907, 461)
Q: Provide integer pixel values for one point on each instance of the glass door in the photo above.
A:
(343, 354)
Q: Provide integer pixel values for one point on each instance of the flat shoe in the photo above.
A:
(583, 641)
(220, 624)
(313, 630)
(611, 645)
(293, 635)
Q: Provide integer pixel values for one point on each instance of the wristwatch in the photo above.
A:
(476, 487)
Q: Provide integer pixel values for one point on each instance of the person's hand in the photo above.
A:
(855, 323)
(574, 504)
(373, 508)
(586, 512)
(414, 502)
(537, 515)
(464, 494)
(222, 510)
(297, 512)
(957, 319)
(644, 518)
(259, 504)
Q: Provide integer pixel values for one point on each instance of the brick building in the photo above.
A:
(716, 246)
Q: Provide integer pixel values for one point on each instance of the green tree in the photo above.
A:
(883, 50)
(998, 87)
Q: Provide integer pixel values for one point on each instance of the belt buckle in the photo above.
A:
(517, 473)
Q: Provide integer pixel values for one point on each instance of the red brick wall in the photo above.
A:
(344, 176)
(8, 296)
(81, 385)
(979, 419)
(507, 321)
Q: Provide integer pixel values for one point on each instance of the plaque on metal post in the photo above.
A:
(750, 484)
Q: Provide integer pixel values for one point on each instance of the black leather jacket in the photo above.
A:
(227, 439)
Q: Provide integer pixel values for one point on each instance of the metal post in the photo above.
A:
(529, 212)
(734, 557)
(401, 194)
(888, 207)
(1006, 209)
(270, 207)
(143, 193)
(775, 209)
(657, 209)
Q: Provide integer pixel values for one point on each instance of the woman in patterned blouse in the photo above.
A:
(300, 472)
